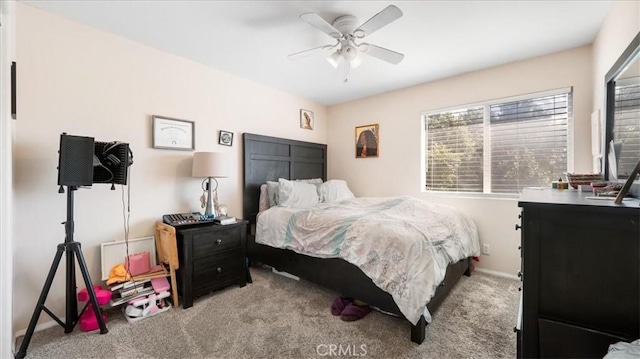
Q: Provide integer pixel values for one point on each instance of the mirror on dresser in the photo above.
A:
(622, 115)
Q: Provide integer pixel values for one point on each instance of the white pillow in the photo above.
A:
(334, 190)
(272, 193)
(315, 181)
(273, 189)
(263, 204)
(297, 194)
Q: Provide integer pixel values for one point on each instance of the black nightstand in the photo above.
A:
(211, 257)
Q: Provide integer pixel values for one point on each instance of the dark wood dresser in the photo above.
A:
(211, 257)
(580, 273)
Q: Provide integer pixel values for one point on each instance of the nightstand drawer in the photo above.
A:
(217, 271)
(213, 242)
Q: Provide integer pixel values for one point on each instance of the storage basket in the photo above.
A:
(576, 179)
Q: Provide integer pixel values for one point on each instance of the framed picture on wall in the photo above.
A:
(367, 141)
(306, 119)
(173, 134)
(225, 138)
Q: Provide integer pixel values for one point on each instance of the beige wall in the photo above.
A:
(620, 26)
(83, 81)
(398, 169)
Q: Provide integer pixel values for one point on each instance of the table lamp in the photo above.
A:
(211, 165)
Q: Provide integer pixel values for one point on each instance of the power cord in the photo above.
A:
(126, 216)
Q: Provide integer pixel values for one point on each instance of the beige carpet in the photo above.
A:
(276, 317)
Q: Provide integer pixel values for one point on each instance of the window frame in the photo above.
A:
(486, 185)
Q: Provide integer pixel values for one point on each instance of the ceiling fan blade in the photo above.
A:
(309, 52)
(381, 53)
(321, 24)
(379, 20)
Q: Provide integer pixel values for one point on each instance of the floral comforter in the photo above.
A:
(403, 244)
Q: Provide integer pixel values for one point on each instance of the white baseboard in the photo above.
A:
(496, 273)
(50, 324)
(285, 274)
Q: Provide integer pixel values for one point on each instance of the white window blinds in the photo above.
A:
(528, 142)
(499, 146)
(454, 152)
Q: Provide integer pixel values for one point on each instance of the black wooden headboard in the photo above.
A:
(269, 158)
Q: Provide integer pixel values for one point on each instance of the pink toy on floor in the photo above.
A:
(88, 321)
(150, 305)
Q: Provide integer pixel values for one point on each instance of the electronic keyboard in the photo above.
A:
(183, 219)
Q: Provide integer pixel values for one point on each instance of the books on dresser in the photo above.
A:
(224, 220)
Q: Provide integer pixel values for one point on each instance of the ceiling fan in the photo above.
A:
(347, 48)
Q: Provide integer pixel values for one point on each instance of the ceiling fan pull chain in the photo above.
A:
(346, 68)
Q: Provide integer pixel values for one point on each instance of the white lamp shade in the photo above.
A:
(209, 164)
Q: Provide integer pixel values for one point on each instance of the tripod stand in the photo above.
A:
(71, 248)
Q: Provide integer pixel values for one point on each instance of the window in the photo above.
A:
(626, 124)
(498, 146)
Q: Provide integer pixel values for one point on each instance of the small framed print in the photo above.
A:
(225, 138)
(173, 134)
(306, 119)
(367, 140)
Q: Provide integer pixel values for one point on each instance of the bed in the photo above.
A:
(268, 159)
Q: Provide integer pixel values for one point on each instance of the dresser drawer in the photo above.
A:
(213, 242)
(217, 271)
(562, 340)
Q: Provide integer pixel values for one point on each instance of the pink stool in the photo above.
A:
(88, 321)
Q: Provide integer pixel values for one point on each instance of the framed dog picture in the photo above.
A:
(367, 140)
(225, 138)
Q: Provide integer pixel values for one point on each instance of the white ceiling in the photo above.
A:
(252, 39)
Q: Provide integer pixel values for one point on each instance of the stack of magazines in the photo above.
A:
(126, 291)
(138, 286)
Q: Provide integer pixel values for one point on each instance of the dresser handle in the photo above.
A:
(518, 226)
(519, 274)
(519, 247)
(219, 270)
(218, 241)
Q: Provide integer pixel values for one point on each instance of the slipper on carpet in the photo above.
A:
(354, 312)
(339, 304)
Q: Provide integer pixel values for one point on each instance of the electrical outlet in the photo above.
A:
(486, 248)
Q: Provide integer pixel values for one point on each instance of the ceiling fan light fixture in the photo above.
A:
(335, 58)
(352, 56)
(349, 52)
(357, 61)
(345, 31)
